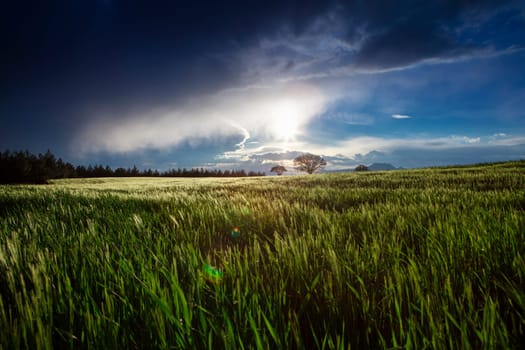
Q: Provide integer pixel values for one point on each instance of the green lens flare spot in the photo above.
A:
(212, 273)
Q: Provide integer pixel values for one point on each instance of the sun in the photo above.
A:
(285, 120)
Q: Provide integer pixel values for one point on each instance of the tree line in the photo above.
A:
(24, 167)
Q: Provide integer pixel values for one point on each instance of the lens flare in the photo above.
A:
(212, 274)
(236, 231)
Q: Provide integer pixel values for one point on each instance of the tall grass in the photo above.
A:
(431, 258)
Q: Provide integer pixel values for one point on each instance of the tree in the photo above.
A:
(309, 162)
(278, 169)
(361, 167)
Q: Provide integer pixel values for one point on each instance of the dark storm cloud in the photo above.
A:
(398, 34)
(64, 36)
(404, 44)
(272, 156)
(114, 52)
(373, 36)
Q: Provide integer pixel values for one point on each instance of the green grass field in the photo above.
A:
(430, 258)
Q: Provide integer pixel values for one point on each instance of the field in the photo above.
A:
(429, 258)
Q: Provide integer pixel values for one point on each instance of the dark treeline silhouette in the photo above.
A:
(24, 167)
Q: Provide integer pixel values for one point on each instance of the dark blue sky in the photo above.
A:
(249, 84)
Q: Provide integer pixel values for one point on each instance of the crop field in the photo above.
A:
(416, 259)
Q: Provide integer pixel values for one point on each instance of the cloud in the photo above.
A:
(401, 116)
(349, 118)
(356, 38)
(366, 144)
(506, 140)
(405, 43)
(276, 114)
(405, 152)
(470, 140)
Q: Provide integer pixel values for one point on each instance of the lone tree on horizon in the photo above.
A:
(278, 169)
(309, 163)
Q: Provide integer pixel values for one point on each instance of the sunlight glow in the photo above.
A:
(286, 119)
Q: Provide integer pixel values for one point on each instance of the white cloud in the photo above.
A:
(351, 149)
(401, 116)
(405, 152)
(507, 140)
(276, 114)
(351, 118)
(471, 140)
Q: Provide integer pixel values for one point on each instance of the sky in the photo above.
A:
(252, 84)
